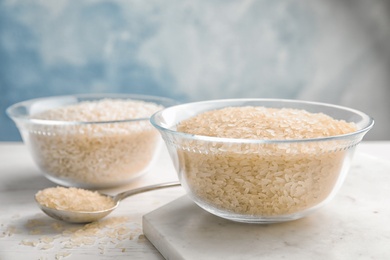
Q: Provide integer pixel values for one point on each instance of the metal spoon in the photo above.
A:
(90, 216)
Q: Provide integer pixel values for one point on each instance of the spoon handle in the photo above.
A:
(126, 194)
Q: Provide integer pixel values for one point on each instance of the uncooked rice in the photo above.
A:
(262, 179)
(96, 154)
(61, 240)
(73, 199)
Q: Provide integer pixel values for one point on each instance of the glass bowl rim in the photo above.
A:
(363, 130)
(10, 111)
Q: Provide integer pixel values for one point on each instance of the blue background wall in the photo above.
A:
(335, 51)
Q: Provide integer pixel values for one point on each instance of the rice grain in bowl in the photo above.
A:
(90, 141)
(259, 160)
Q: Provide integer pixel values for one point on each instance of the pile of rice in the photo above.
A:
(262, 179)
(96, 154)
(73, 199)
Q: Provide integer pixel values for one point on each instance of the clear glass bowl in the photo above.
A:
(260, 181)
(85, 154)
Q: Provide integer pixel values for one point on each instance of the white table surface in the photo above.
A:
(26, 233)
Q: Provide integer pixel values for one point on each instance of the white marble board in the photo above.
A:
(360, 211)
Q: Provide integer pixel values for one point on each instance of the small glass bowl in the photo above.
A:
(99, 154)
(260, 181)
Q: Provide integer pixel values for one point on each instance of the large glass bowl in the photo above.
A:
(260, 181)
(100, 154)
